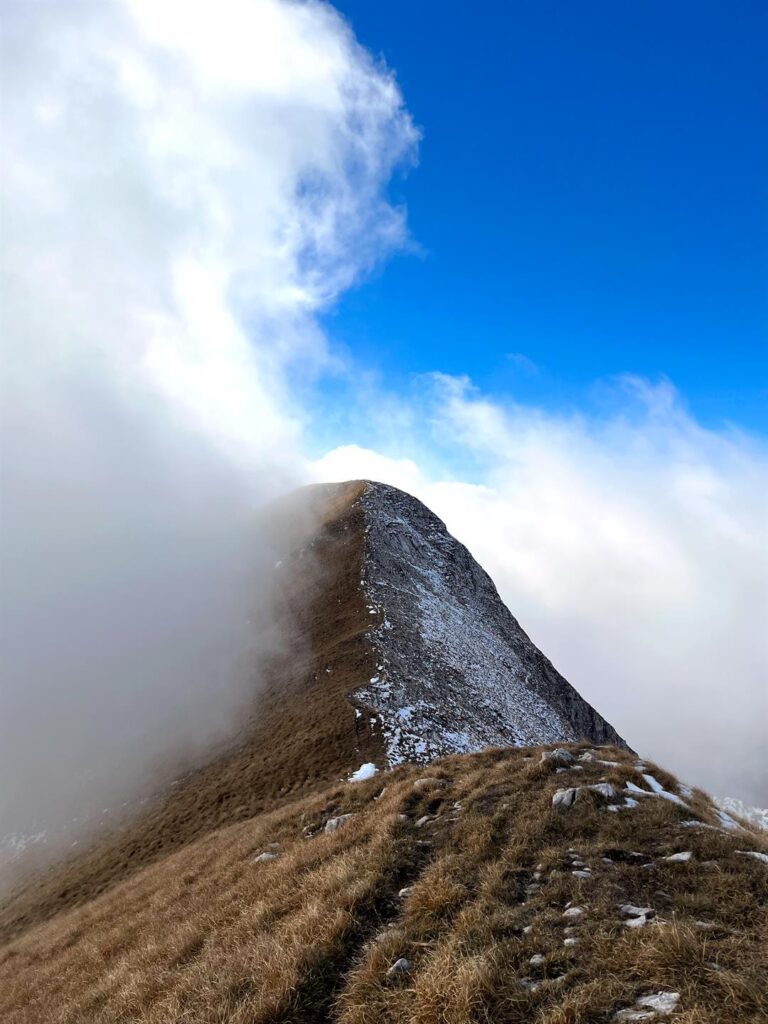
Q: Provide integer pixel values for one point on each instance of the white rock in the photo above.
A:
(423, 821)
(335, 823)
(679, 858)
(400, 966)
(661, 1002)
(630, 910)
(537, 959)
(604, 789)
(587, 756)
(266, 856)
(528, 929)
(564, 798)
(574, 911)
(582, 874)
(570, 941)
(404, 892)
(559, 756)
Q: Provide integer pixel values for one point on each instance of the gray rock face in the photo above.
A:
(456, 673)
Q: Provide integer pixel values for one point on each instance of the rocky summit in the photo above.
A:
(419, 822)
(455, 672)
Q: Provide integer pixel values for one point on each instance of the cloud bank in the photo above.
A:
(184, 187)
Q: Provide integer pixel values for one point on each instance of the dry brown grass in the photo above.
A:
(206, 935)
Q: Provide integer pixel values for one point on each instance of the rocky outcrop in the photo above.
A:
(456, 672)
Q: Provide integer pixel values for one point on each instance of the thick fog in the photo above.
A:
(184, 186)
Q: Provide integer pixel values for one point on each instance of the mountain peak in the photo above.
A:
(455, 672)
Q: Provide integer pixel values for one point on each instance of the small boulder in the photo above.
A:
(574, 912)
(679, 858)
(630, 910)
(429, 783)
(335, 823)
(660, 1002)
(400, 966)
(564, 798)
(560, 756)
(266, 856)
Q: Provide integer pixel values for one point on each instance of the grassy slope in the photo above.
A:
(207, 935)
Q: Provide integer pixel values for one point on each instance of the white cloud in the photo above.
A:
(633, 547)
(184, 186)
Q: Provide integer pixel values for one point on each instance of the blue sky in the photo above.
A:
(590, 201)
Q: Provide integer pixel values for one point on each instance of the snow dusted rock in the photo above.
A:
(604, 789)
(754, 853)
(659, 1002)
(630, 910)
(266, 856)
(568, 797)
(559, 756)
(335, 823)
(564, 797)
(456, 672)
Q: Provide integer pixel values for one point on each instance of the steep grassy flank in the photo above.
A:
(208, 934)
(304, 733)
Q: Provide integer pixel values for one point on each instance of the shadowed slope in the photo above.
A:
(464, 869)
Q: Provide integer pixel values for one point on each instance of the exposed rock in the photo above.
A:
(571, 941)
(559, 756)
(537, 960)
(661, 1002)
(456, 671)
(423, 821)
(429, 783)
(400, 966)
(679, 858)
(630, 910)
(564, 798)
(574, 911)
(335, 823)
(567, 797)
(266, 856)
